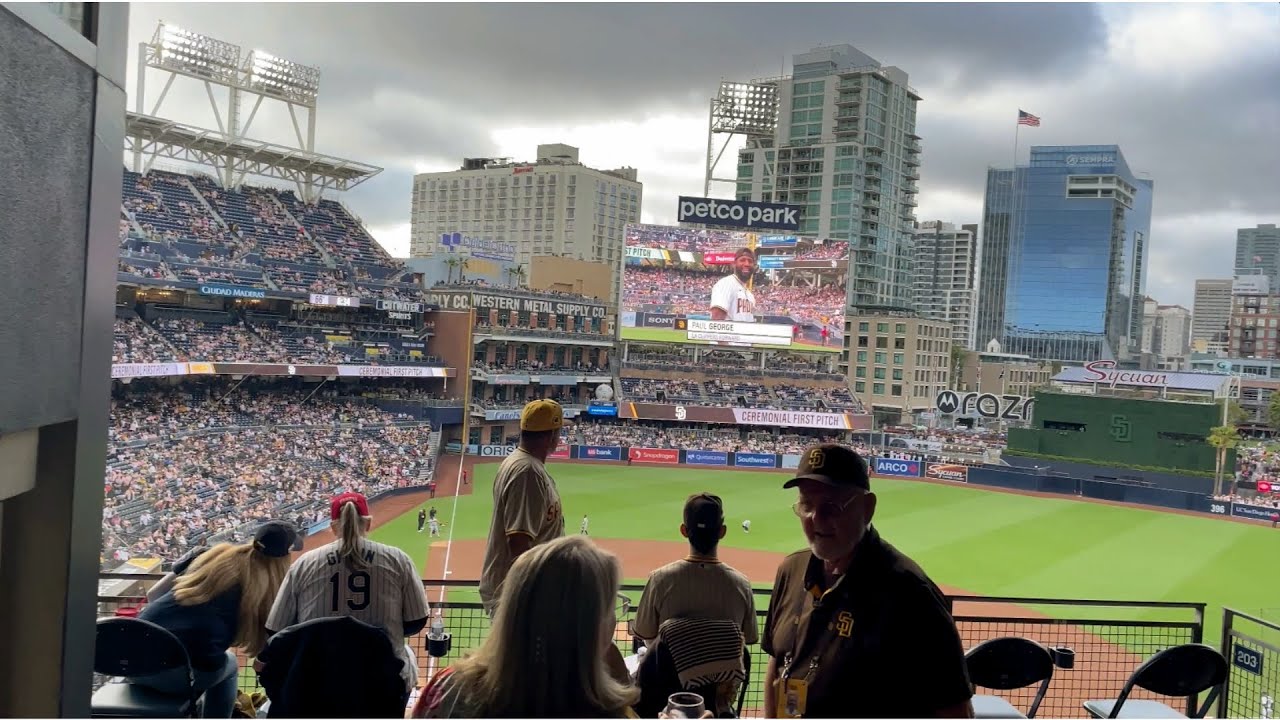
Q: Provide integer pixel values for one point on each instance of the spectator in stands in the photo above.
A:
(356, 577)
(881, 642)
(220, 600)
(699, 586)
(550, 651)
(526, 503)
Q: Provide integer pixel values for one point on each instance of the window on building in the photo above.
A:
(860, 371)
(881, 358)
(860, 387)
(897, 391)
(900, 328)
(899, 358)
(862, 356)
(864, 326)
(879, 374)
(862, 341)
(882, 342)
(877, 388)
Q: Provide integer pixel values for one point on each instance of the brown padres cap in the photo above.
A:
(703, 512)
(832, 464)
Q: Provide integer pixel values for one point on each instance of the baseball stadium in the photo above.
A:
(268, 354)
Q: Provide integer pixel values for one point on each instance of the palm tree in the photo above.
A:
(519, 272)
(957, 366)
(1222, 438)
(451, 262)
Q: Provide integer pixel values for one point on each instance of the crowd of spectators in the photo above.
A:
(189, 462)
(224, 339)
(135, 342)
(685, 291)
(652, 435)
(717, 392)
(538, 366)
(157, 272)
(1257, 467)
(825, 251)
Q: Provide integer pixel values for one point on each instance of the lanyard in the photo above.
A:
(803, 643)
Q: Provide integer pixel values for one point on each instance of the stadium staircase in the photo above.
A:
(433, 453)
(329, 262)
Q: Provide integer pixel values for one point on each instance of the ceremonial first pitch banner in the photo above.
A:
(744, 416)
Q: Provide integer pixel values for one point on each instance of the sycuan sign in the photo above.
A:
(1103, 371)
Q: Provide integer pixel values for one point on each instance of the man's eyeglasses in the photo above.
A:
(826, 508)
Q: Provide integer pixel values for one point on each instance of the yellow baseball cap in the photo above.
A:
(541, 416)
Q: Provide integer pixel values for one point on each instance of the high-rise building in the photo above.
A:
(1211, 315)
(1258, 249)
(1063, 256)
(1150, 311)
(845, 151)
(552, 206)
(944, 258)
(897, 364)
(1255, 322)
(1172, 337)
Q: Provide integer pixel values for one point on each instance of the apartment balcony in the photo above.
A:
(848, 113)
(911, 160)
(849, 98)
(911, 174)
(848, 84)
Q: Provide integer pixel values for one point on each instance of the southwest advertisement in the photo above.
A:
(726, 287)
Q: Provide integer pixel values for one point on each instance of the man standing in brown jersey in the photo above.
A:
(526, 504)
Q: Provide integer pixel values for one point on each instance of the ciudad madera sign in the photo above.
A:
(738, 213)
(987, 405)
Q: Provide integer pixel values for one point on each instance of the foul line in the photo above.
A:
(448, 550)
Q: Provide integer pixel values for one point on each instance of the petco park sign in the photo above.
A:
(738, 213)
(1104, 372)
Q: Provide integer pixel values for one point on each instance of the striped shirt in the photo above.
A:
(696, 588)
(387, 593)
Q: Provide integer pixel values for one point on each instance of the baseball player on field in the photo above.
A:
(582, 529)
(435, 527)
(357, 577)
(746, 526)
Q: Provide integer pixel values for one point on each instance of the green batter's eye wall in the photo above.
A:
(1123, 431)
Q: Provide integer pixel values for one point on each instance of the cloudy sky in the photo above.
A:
(1191, 93)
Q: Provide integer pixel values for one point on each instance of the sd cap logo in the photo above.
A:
(816, 459)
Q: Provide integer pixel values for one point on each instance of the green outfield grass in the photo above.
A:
(984, 542)
(679, 336)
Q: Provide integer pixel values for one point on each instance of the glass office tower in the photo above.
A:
(1063, 262)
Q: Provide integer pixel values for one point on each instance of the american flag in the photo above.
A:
(1026, 118)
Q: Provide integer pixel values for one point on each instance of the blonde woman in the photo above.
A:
(548, 650)
(357, 577)
(219, 600)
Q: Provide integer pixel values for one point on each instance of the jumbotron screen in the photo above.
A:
(735, 289)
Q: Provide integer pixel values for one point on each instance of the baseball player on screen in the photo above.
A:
(731, 297)
(357, 577)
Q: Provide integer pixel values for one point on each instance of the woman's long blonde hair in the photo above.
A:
(226, 565)
(350, 530)
(544, 656)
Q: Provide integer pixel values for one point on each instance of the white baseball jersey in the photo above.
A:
(736, 299)
(387, 592)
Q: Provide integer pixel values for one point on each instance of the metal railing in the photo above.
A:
(1252, 647)
(1110, 639)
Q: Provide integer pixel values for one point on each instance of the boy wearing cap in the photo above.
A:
(855, 628)
(526, 503)
(699, 586)
(731, 298)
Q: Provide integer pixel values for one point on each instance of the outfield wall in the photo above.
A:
(996, 476)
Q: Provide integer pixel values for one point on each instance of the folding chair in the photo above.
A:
(1008, 663)
(1179, 671)
(131, 648)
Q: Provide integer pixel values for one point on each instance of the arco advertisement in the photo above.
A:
(660, 456)
(891, 467)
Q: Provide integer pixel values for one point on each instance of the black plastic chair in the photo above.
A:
(1179, 671)
(132, 648)
(1008, 663)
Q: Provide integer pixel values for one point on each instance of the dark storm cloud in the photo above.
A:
(407, 86)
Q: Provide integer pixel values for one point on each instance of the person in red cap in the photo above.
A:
(355, 576)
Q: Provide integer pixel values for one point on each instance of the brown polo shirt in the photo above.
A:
(879, 643)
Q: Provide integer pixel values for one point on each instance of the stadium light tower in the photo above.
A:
(213, 62)
(749, 109)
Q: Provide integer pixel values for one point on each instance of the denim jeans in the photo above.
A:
(218, 686)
